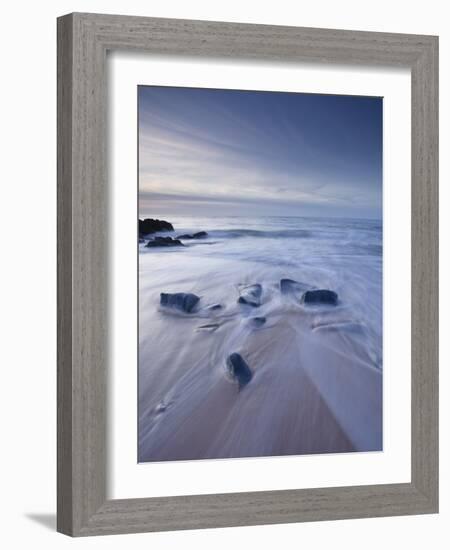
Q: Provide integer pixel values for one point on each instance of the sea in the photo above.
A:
(181, 362)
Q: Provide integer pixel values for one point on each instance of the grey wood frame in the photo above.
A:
(83, 41)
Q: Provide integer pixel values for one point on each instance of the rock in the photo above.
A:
(320, 296)
(250, 295)
(259, 321)
(199, 235)
(150, 225)
(239, 369)
(179, 300)
(163, 241)
(211, 327)
(161, 407)
(349, 327)
(167, 241)
(289, 285)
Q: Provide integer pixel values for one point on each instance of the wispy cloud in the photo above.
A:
(212, 150)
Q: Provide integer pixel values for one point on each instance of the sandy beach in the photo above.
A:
(316, 382)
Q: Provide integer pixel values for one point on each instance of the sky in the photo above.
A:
(205, 152)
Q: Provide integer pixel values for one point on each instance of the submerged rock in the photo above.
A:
(321, 296)
(239, 369)
(349, 327)
(251, 295)
(179, 300)
(164, 242)
(161, 407)
(289, 285)
(199, 235)
(258, 321)
(150, 225)
(211, 327)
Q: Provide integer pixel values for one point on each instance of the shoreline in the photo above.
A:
(189, 409)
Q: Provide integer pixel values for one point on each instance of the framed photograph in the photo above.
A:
(247, 274)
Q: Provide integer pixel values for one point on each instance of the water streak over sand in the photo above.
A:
(317, 373)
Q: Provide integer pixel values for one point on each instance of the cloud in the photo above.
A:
(213, 152)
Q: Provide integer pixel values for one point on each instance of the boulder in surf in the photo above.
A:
(238, 369)
(182, 301)
(163, 242)
(289, 285)
(250, 295)
(150, 225)
(319, 297)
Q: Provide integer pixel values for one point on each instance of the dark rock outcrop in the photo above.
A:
(321, 296)
(164, 242)
(289, 285)
(179, 300)
(199, 235)
(149, 225)
(239, 369)
(258, 321)
(251, 295)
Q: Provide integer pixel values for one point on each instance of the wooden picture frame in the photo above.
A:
(83, 41)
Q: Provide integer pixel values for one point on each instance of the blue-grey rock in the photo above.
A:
(320, 296)
(348, 327)
(239, 369)
(289, 285)
(161, 407)
(179, 300)
(250, 295)
(199, 235)
(163, 242)
(210, 327)
(259, 321)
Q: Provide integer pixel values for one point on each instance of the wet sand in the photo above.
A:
(315, 385)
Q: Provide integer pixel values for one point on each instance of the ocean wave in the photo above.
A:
(265, 234)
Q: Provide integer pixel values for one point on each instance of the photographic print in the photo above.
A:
(260, 273)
